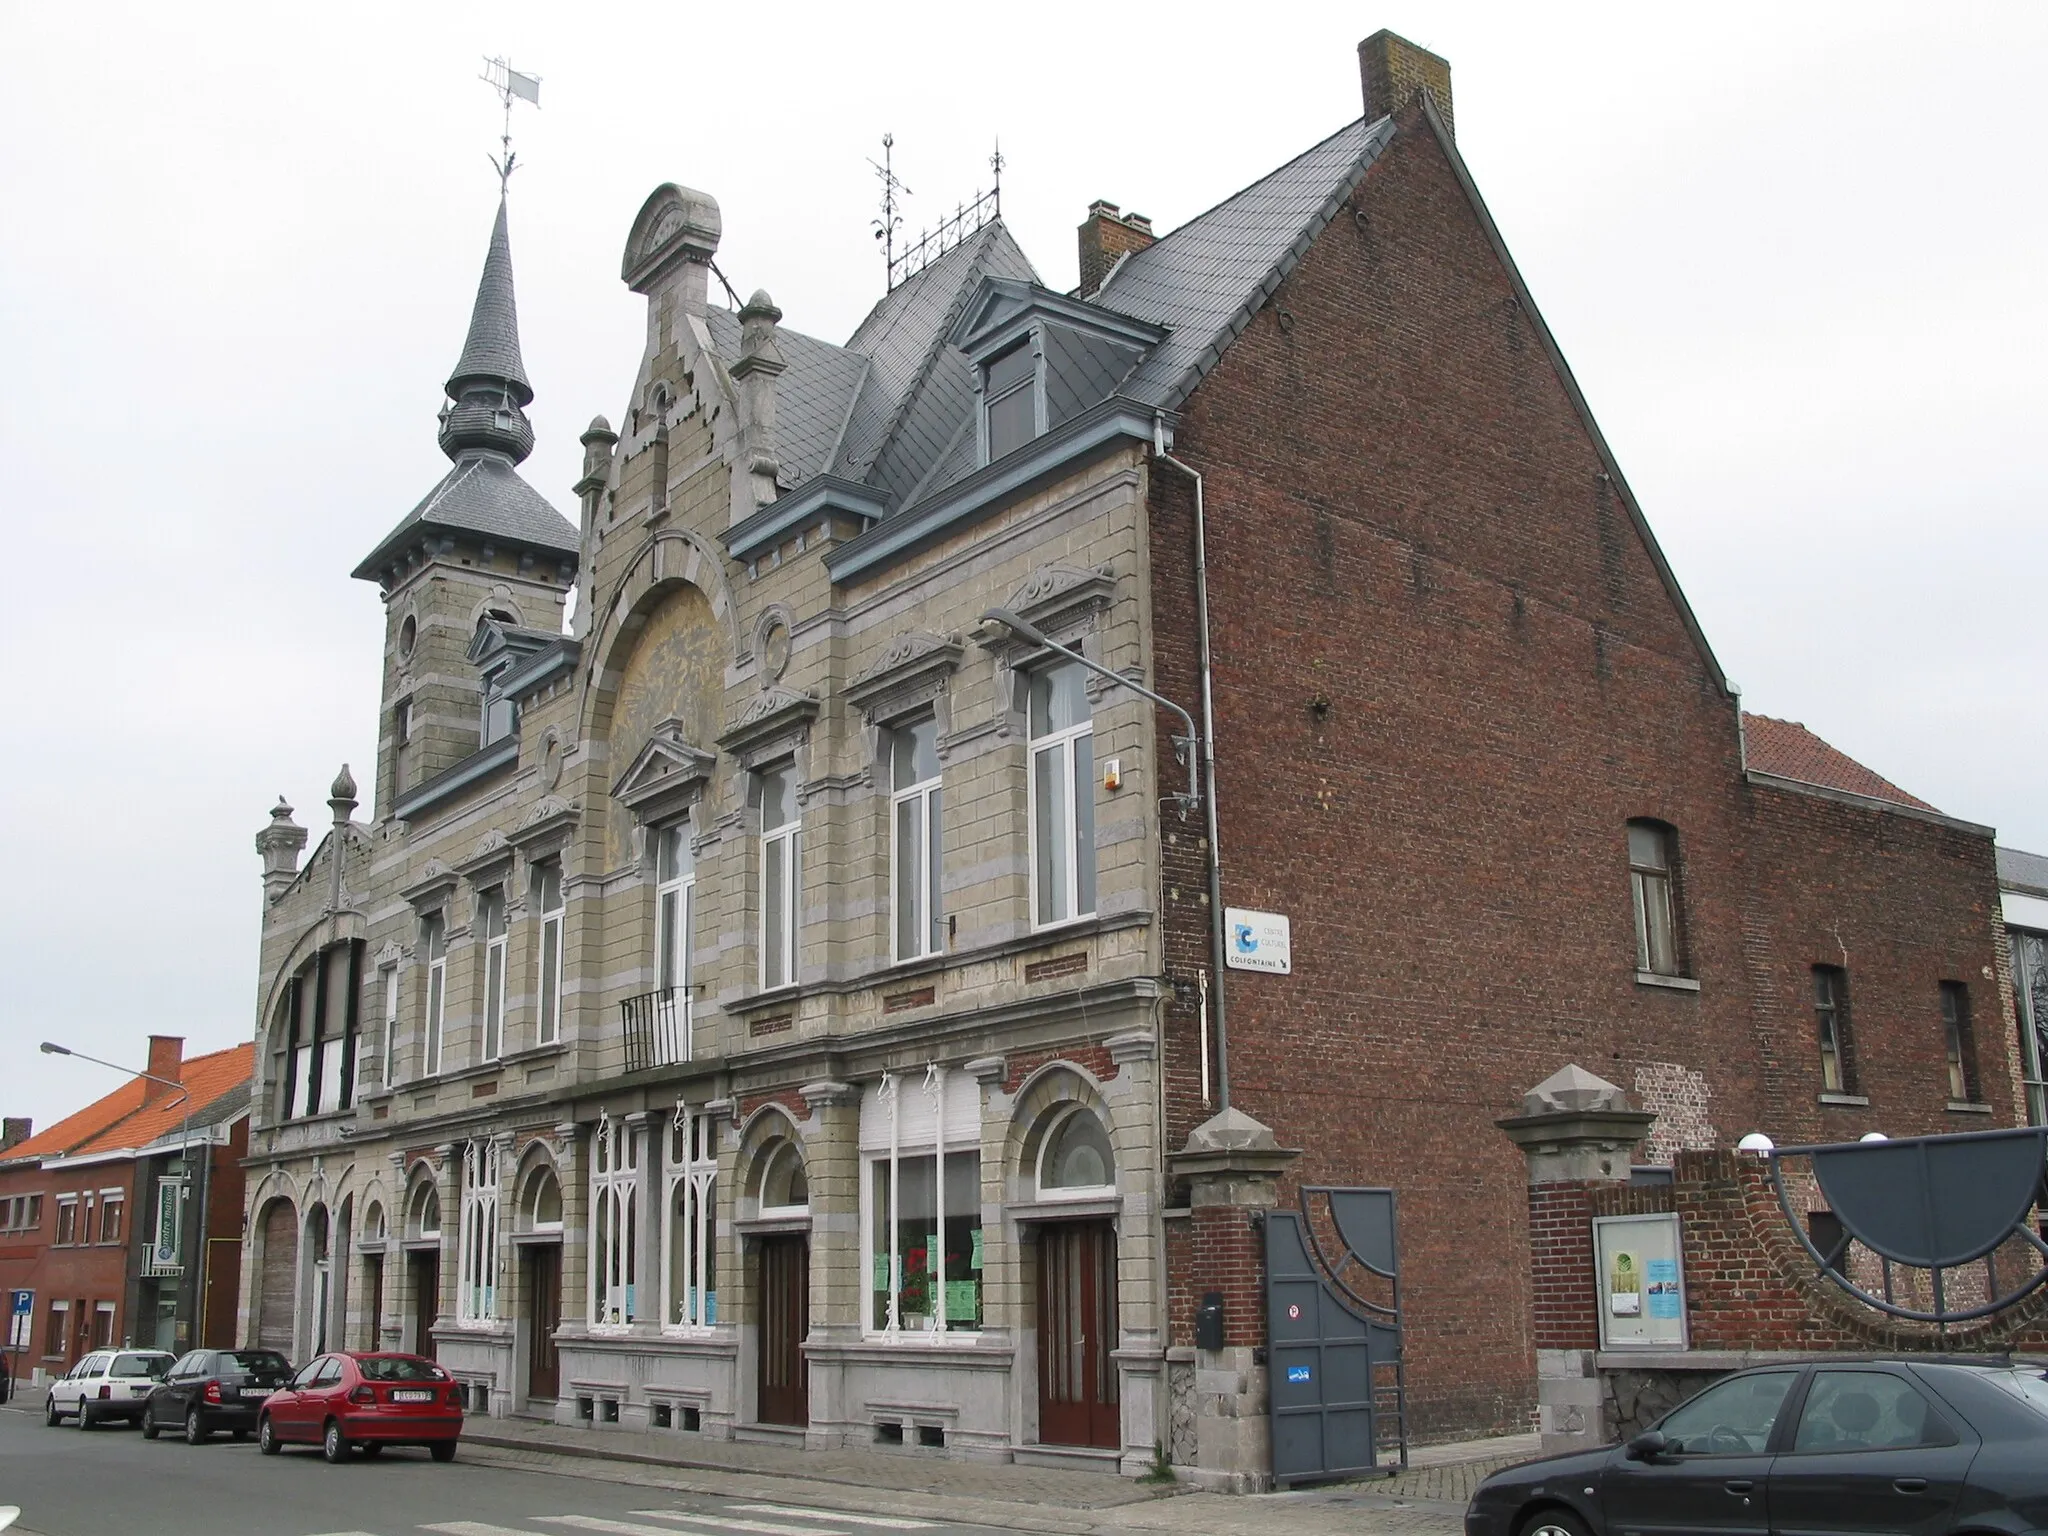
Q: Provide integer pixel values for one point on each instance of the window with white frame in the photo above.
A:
(921, 1204)
(675, 897)
(389, 978)
(690, 1209)
(1062, 793)
(434, 941)
(543, 1202)
(773, 795)
(614, 1222)
(547, 891)
(785, 1184)
(914, 844)
(316, 1058)
(476, 1298)
(67, 1219)
(425, 1218)
(490, 923)
(1651, 866)
(1075, 1159)
(112, 1205)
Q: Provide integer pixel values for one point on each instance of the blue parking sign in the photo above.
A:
(24, 1303)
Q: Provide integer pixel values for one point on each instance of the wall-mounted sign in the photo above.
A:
(1640, 1282)
(1257, 941)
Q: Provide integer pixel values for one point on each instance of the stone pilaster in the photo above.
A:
(831, 1148)
(1578, 1133)
(1233, 1165)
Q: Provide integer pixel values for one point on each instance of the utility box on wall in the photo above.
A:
(1639, 1282)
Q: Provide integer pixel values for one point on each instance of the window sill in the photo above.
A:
(1671, 983)
(1846, 1100)
(1968, 1107)
(1057, 1208)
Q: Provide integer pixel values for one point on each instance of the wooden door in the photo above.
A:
(543, 1317)
(425, 1265)
(785, 1396)
(279, 1280)
(1077, 1321)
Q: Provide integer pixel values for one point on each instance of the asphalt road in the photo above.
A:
(112, 1481)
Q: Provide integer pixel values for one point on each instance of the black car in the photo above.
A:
(1914, 1447)
(212, 1389)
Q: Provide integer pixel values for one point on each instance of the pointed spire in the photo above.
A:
(488, 391)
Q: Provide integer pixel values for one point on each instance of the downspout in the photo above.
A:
(1216, 946)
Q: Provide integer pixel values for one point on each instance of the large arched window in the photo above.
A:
(1075, 1158)
(476, 1298)
(692, 1219)
(614, 1222)
(314, 1061)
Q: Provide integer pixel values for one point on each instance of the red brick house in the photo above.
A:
(100, 1219)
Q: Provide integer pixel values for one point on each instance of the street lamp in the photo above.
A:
(1187, 746)
(52, 1048)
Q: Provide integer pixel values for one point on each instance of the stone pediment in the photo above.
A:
(432, 889)
(1055, 592)
(545, 826)
(674, 224)
(666, 777)
(912, 669)
(773, 719)
(491, 854)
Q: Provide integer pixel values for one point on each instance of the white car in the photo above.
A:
(107, 1384)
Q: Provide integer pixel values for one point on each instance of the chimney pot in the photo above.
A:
(14, 1130)
(1391, 69)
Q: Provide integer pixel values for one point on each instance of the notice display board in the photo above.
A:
(1639, 1282)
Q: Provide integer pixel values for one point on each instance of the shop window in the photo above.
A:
(476, 1294)
(921, 1198)
(614, 1223)
(691, 1213)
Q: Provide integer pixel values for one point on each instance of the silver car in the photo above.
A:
(107, 1384)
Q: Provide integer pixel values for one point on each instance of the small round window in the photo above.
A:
(1077, 1155)
(408, 637)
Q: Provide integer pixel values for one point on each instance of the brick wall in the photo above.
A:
(1411, 526)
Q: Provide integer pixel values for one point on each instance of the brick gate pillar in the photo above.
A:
(1232, 1165)
(1579, 1135)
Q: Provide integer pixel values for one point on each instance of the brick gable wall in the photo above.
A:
(1409, 522)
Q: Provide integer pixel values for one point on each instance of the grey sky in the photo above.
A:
(1793, 253)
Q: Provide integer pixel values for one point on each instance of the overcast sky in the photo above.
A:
(1793, 252)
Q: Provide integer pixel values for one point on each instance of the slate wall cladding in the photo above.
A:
(1411, 527)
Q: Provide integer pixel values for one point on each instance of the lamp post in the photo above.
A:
(52, 1048)
(1195, 795)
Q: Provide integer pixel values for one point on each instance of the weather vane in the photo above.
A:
(893, 191)
(510, 85)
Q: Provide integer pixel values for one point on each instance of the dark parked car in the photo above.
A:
(212, 1389)
(350, 1400)
(1917, 1447)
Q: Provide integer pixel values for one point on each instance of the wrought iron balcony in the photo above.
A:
(656, 1026)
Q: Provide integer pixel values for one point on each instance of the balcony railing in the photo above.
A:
(656, 1026)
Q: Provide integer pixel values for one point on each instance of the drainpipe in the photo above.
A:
(1216, 946)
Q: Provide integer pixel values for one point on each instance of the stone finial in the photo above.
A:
(1232, 1130)
(1572, 1090)
(278, 845)
(1577, 1128)
(755, 373)
(342, 795)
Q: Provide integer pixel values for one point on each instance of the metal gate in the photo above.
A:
(1333, 1350)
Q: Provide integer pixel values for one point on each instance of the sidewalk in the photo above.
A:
(1427, 1500)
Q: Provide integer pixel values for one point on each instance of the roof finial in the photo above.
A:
(893, 193)
(510, 84)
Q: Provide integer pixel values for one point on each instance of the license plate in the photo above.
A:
(412, 1397)
(254, 1393)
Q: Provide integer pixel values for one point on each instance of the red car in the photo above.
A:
(356, 1398)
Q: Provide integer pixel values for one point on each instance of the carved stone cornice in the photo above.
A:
(488, 861)
(431, 891)
(775, 721)
(546, 827)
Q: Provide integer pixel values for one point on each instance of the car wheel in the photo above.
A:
(148, 1422)
(52, 1414)
(444, 1450)
(85, 1418)
(334, 1444)
(1553, 1522)
(266, 1437)
(196, 1432)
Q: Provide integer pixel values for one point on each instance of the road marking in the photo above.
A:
(722, 1522)
(477, 1528)
(884, 1522)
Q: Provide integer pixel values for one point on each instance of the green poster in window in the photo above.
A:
(974, 1261)
(963, 1300)
(881, 1271)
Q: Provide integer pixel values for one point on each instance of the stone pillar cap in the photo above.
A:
(1230, 1140)
(1573, 1090)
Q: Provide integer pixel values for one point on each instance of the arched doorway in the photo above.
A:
(320, 1279)
(279, 1276)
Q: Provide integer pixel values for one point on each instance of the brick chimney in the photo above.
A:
(1107, 235)
(14, 1130)
(167, 1060)
(1392, 70)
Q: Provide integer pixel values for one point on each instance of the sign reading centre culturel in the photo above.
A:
(1257, 941)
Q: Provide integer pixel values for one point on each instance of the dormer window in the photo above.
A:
(1010, 400)
(501, 712)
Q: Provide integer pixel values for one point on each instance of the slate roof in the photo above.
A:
(482, 494)
(491, 350)
(120, 1120)
(1207, 278)
(1789, 750)
(2024, 871)
(813, 395)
